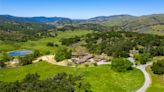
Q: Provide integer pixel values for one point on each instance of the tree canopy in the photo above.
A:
(158, 67)
(121, 64)
(62, 82)
(63, 53)
(143, 58)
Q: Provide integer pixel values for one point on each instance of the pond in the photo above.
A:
(19, 53)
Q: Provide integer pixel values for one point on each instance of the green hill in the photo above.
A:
(145, 24)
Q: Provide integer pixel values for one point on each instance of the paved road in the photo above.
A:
(147, 77)
(147, 81)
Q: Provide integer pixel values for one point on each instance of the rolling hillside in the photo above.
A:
(145, 24)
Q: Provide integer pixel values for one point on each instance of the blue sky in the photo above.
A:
(80, 9)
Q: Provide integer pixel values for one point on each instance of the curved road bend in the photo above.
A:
(147, 77)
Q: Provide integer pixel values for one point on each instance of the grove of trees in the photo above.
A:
(62, 82)
(63, 53)
(69, 41)
(2, 64)
(25, 60)
(142, 58)
(22, 32)
(5, 57)
(158, 67)
(121, 64)
(119, 44)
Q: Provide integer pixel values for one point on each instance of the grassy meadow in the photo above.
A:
(157, 82)
(41, 44)
(101, 78)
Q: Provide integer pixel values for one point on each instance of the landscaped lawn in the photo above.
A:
(101, 78)
(157, 82)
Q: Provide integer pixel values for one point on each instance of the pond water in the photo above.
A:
(19, 53)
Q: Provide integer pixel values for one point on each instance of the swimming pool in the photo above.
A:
(19, 53)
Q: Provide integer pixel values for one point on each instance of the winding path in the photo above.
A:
(147, 77)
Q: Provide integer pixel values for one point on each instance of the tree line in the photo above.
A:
(62, 82)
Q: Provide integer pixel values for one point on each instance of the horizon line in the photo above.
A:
(79, 18)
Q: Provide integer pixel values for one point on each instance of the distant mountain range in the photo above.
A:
(127, 22)
(111, 18)
(59, 19)
(31, 19)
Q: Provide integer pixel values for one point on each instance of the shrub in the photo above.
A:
(2, 64)
(62, 54)
(69, 64)
(120, 54)
(158, 67)
(6, 57)
(142, 58)
(56, 45)
(95, 64)
(86, 65)
(50, 44)
(40, 60)
(26, 60)
(36, 53)
(158, 51)
(47, 52)
(70, 41)
(121, 64)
